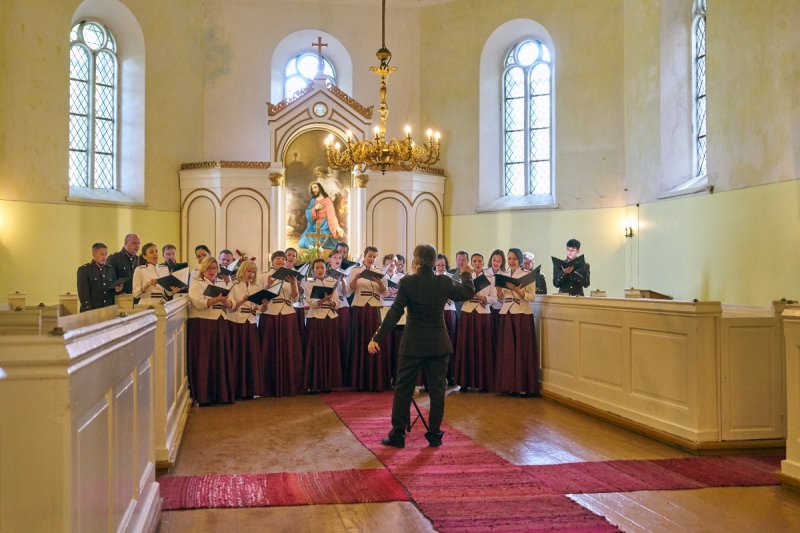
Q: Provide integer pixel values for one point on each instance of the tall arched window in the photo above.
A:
(699, 37)
(526, 120)
(92, 107)
(302, 68)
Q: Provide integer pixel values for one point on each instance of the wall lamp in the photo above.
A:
(629, 231)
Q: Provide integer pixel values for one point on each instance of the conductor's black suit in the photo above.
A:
(425, 343)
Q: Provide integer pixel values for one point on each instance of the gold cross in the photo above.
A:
(320, 237)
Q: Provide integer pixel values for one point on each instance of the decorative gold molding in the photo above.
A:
(273, 110)
(277, 179)
(366, 112)
(420, 170)
(361, 180)
(225, 164)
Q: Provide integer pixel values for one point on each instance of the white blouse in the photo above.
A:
(328, 309)
(149, 295)
(342, 291)
(514, 304)
(367, 292)
(200, 307)
(281, 304)
(247, 311)
(475, 305)
(497, 304)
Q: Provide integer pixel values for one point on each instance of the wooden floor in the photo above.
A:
(302, 434)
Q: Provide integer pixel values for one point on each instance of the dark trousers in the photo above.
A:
(435, 369)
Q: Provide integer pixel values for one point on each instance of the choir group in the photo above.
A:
(311, 332)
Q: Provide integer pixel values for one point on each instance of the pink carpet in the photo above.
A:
(661, 474)
(263, 490)
(462, 486)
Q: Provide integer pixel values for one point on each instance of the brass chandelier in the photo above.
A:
(377, 153)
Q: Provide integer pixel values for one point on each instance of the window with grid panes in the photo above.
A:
(301, 71)
(699, 23)
(527, 147)
(92, 107)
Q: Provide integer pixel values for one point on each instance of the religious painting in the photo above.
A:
(317, 197)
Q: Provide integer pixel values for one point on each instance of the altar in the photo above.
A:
(257, 207)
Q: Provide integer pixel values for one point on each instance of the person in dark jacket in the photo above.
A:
(425, 344)
(95, 281)
(125, 261)
(569, 280)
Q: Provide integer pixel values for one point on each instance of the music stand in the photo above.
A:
(419, 417)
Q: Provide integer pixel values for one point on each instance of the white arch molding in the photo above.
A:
(249, 229)
(412, 212)
(191, 226)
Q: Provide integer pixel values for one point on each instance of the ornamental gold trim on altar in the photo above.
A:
(419, 170)
(366, 112)
(225, 164)
(277, 179)
(361, 180)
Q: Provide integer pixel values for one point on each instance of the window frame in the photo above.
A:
(699, 170)
(296, 58)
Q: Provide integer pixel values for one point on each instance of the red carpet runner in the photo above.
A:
(462, 486)
(263, 490)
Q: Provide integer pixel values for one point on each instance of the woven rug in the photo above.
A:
(263, 490)
(462, 486)
(660, 474)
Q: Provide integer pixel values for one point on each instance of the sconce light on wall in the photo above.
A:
(628, 231)
(630, 225)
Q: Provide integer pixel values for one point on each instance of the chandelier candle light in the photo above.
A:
(377, 153)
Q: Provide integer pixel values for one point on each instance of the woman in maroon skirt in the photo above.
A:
(323, 365)
(280, 336)
(442, 267)
(517, 363)
(497, 265)
(343, 310)
(368, 372)
(243, 332)
(209, 359)
(299, 304)
(474, 354)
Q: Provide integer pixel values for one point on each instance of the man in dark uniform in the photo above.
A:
(125, 261)
(425, 344)
(95, 280)
(569, 280)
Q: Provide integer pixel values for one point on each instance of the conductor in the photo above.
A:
(425, 344)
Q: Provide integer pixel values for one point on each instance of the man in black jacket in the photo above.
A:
(125, 261)
(425, 344)
(95, 281)
(567, 279)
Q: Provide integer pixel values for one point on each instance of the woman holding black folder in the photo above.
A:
(208, 345)
(367, 372)
(516, 339)
(246, 352)
(474, 351)
(497, 265)
(145, 277)
(279, 332)
(322, 367)
(343, 310)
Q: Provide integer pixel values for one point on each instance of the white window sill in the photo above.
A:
(519, 203)
(83, 195)
(698, 185)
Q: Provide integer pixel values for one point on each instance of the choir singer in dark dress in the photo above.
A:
(569, 280)
(425, 344)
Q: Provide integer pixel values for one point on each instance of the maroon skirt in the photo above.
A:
(210, 365)
(248, 372)
(283, 356)
(474, 355)
(322, 368)
(301, 324)
(450, 323)
(517, 363)
(344, 342)
(368, 372)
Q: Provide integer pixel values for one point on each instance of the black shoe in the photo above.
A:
(463, 389)
(434, 439)
(394, 443)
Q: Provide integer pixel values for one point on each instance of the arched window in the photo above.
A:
(527, 146)
(699, 63)
(92, 106)
(301, 70)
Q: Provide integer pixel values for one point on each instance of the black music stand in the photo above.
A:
(419, 417)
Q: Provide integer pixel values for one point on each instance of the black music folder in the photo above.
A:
(215, 290)
(481, 282)
(501, 281)
(117, 283)
(578, 262)
(283, 273)
(319, 292)
(170, 281)
(264, 294)
(371, 274)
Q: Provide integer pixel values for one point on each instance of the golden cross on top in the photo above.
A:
(317, 238)
(318, 45)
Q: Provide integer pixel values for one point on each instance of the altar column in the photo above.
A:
(358, 221)
(277, 199)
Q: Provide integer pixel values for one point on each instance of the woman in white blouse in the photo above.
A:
(208, 347)
(474, 354)
(368, 372)
(516, 339)
(442, 266)
(145, 277)
(343, 310)
(243, 332)
(280, 334)
(322, 366)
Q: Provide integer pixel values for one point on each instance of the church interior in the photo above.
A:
(208, 135)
